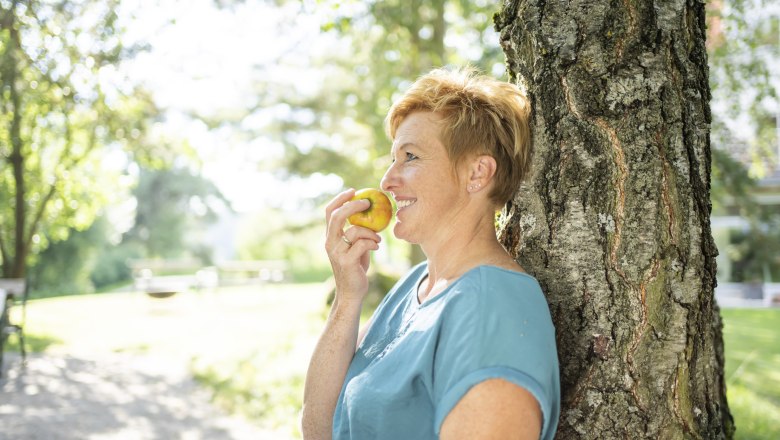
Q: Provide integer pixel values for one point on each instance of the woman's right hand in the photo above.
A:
(348, 249)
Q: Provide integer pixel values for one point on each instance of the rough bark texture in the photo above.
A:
(615, 220)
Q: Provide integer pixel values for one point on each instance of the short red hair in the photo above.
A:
(481, 115)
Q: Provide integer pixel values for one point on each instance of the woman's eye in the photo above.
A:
(410, 156)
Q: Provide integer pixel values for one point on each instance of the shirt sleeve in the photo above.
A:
(497, 328)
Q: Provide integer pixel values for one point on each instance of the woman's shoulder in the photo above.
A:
(493, 276)
(505, 272)
(500, 287)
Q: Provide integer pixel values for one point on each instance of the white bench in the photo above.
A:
(164, 278)
(252, 271)
(151, 276)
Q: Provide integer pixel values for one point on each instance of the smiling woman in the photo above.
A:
(463, 346)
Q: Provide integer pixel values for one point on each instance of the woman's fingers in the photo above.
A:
(348, 250)
(339, 215)
(357, 252)
(353, 234)
(361, 248)
(337, 201)
(355, 244)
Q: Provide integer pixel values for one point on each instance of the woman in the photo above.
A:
(463, 346)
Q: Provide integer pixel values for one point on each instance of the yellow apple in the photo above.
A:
(378, 214)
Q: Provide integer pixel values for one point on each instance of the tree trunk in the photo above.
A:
(614, 221)
(16, 264)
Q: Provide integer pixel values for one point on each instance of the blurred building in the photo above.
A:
(758, 288)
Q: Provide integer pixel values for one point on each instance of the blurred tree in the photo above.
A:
(754, 249)
(614, 221)
(85, 260)
(743, 43)
(376, 48)
(173, 205)
(277, 235)
(173, 208)
(60, 111)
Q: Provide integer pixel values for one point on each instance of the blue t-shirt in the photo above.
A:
(418, 360)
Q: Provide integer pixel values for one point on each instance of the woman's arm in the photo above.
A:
(348, 252)
(494, 409)
(327, 370)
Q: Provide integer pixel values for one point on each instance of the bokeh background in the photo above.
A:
(178, 156)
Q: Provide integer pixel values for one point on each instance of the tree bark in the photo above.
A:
(614, 221)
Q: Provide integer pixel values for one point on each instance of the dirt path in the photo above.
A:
(115, 396)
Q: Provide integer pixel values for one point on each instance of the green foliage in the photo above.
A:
(172, 205)
(378, 49)
(82, 263)
(752, 343)
(64, 267)
(742, 49)
(335, 126)
(732, 187)
(745, 106)
(275, 235)
(754, 254)
(753, 250)
(110, 267)
(61, 114)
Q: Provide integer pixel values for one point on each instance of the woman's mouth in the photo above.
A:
(404, 203)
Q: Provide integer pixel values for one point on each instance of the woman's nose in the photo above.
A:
(388, 181)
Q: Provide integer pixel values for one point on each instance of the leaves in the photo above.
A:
(63, 116)
(378, 49)
(171, 203)
(743, 49)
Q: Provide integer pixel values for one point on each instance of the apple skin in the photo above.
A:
(378, 215)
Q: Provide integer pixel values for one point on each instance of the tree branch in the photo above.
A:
(39, 213)
(62, 159)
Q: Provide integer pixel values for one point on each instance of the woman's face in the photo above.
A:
(422, 181)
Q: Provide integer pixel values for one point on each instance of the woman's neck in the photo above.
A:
(454, 254)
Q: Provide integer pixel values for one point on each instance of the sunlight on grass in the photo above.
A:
(267, 385)
(221, 325)
(32, 343)
(757, 418)
(249, 345)
(752, 342)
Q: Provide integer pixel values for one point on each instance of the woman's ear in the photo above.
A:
(481, 172)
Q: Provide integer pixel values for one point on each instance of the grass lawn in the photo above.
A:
(251, 346)
(752, 342)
